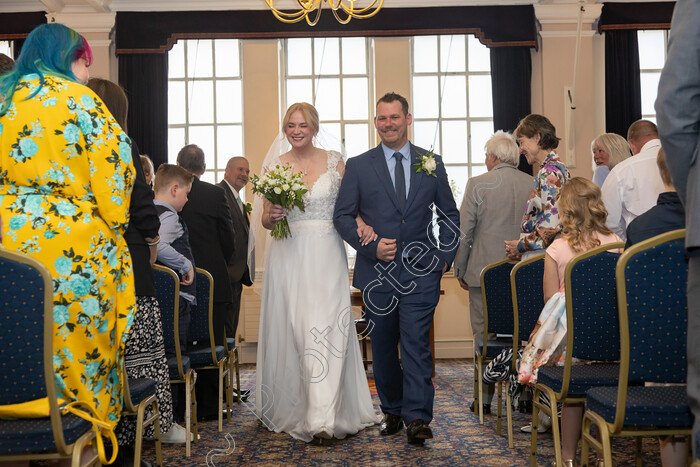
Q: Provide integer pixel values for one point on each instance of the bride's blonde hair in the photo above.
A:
(307, 110)
(582, 214)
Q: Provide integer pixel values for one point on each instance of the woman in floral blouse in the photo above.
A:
(65, 182)
(537, 140)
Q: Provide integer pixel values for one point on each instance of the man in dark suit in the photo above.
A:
(678, 118)
(208, 219)
(399, 273)
(235, 178)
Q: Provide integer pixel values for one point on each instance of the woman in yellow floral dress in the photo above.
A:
(65, 182)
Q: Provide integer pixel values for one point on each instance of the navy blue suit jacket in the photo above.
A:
(367, 190)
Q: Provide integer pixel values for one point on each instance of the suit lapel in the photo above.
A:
(379, 163)
(233, 204)
(416, 178)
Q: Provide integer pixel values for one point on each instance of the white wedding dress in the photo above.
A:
(310, 379)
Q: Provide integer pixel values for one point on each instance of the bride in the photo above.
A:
(310, 381)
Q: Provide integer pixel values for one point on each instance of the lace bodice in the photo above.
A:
(319, 201)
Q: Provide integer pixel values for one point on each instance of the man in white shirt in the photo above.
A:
(635, 183)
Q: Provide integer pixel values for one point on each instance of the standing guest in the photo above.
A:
(211, 233)
(235, 178)
(6, 64)
(491, 211)
(609, 149)
(56, 134)
(537, 139)
(394, 188)
(148, 171)
(310, 381)
(678, 115)
(634, 184)
(144, 352)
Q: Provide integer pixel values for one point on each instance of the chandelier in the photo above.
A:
(347, 7)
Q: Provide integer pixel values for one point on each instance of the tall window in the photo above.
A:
(452, 107)
(652, 56)
(6, 48)
(333, 74)
(205, 101)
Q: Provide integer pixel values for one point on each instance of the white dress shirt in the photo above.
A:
(632, 188)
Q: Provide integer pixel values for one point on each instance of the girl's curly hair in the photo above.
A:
(582, 214)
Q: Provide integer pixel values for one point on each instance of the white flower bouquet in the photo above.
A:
(282, 186)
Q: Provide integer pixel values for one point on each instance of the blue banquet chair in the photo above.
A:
(651, 287)
(26, 367)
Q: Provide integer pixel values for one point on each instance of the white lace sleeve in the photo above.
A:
(333, 158)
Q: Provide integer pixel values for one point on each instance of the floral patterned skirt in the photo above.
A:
(145, 358)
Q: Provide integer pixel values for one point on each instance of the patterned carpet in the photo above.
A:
(459, 439)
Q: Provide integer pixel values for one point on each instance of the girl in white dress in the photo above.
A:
(310, 380)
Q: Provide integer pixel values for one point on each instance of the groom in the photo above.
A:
(399, 273)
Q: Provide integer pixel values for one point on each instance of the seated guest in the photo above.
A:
(609, 149)
(172, 184)
(633, 185)
(147, 165)
(491, 211)
(667, 215)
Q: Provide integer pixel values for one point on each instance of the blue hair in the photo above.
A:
(49, 49)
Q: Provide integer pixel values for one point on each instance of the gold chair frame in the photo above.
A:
(617, 429)
(482, 359)
(222, 365)
(562, 396)
(516, 347)
(138, 411)
(234, 371)
(72, 451)
(188, 378)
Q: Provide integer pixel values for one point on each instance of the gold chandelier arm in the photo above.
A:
(287, 17)
(359, 13)
(309, 5)
(315, 20)
(341, 20)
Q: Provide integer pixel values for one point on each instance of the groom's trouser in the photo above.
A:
(405, 388)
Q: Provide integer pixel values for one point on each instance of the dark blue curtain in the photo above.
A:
(623, 94)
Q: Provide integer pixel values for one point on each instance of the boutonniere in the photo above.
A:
(248, 208)
(427, 163)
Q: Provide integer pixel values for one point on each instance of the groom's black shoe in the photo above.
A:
(391, 425)
(418, 431)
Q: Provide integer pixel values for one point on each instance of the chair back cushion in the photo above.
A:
(594, 308)
(21, 333)
(498, 306)
(167, 291)
(199, 317)
(657, 309)
(529, 296)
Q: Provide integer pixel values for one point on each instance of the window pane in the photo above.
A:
(327, 56)
(228, 101)
(650, 86)
(652, 49)
(479, 55)
(208, 177)
(229, 142)
(298, 90)
(454, 142)
(478, 170)
(480, 133)
(176, 102)
(176, 61)
(355, 98)
(458, 177)
(203, 136)
(454, 97)
(480, 104)
(201, 102)
(328, 98)
(452, 54)
(425, 54)
(298, 57)
(333, 129)
(425, 135)
(199, 58)
(227, 58)
(354, 55)
(356, 139)
(426, 103)
(176, 140)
